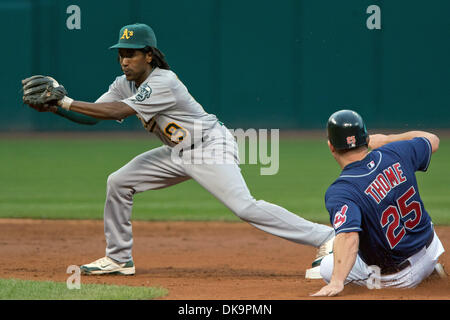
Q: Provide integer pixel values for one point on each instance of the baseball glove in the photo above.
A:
(42, 93)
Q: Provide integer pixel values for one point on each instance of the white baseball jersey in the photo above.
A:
(164, 106)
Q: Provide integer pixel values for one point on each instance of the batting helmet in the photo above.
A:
(346, 130)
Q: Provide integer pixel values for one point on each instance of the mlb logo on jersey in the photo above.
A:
(351, 141)
(340, 217)
(371, 165)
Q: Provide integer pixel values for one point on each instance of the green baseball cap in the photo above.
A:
(135, 36)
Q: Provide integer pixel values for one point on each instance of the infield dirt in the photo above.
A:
(193, 260)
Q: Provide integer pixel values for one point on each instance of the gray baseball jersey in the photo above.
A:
(164, 106)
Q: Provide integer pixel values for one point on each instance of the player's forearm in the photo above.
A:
(409, 135)
(378, 140)
(345, 250)
(76, 117)
(108, 111)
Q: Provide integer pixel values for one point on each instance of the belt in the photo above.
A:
(195, 144)
(403, 265)
(204, 138)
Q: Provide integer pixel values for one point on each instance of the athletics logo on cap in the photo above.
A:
(127, 34)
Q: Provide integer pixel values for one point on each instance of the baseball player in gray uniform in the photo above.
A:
(152, 92)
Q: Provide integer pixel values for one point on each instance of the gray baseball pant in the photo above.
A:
(156, 169)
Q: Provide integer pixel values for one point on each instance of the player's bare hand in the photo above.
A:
(377, 140)
(330, 290)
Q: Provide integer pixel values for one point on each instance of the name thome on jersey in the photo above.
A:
(385, 182)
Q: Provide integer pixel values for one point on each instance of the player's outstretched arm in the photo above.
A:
(379, 140)
(43, 93)
(345, 250)
(116, 110)
(75, 116)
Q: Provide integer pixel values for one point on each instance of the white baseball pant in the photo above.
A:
(421, 266)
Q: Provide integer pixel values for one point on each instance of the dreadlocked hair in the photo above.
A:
(158, 58)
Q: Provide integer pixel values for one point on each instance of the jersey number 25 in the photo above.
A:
(393, 217)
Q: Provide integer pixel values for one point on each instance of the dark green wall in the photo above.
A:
(273, 64)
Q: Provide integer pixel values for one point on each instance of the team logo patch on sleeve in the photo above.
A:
(144, 92)
(340, 217)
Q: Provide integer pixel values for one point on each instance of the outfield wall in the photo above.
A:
(274, 64)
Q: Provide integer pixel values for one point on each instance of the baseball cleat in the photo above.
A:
(106, 265)
(324, 250)
(440, 270)
(313, 273)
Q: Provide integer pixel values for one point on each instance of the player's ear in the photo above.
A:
(148, 57)
(330, 146)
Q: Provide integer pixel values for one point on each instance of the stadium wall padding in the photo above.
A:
(284, 64)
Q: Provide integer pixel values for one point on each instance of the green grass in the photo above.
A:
(13, 289)
(60, 179)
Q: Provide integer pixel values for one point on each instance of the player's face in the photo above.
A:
(134, 64)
